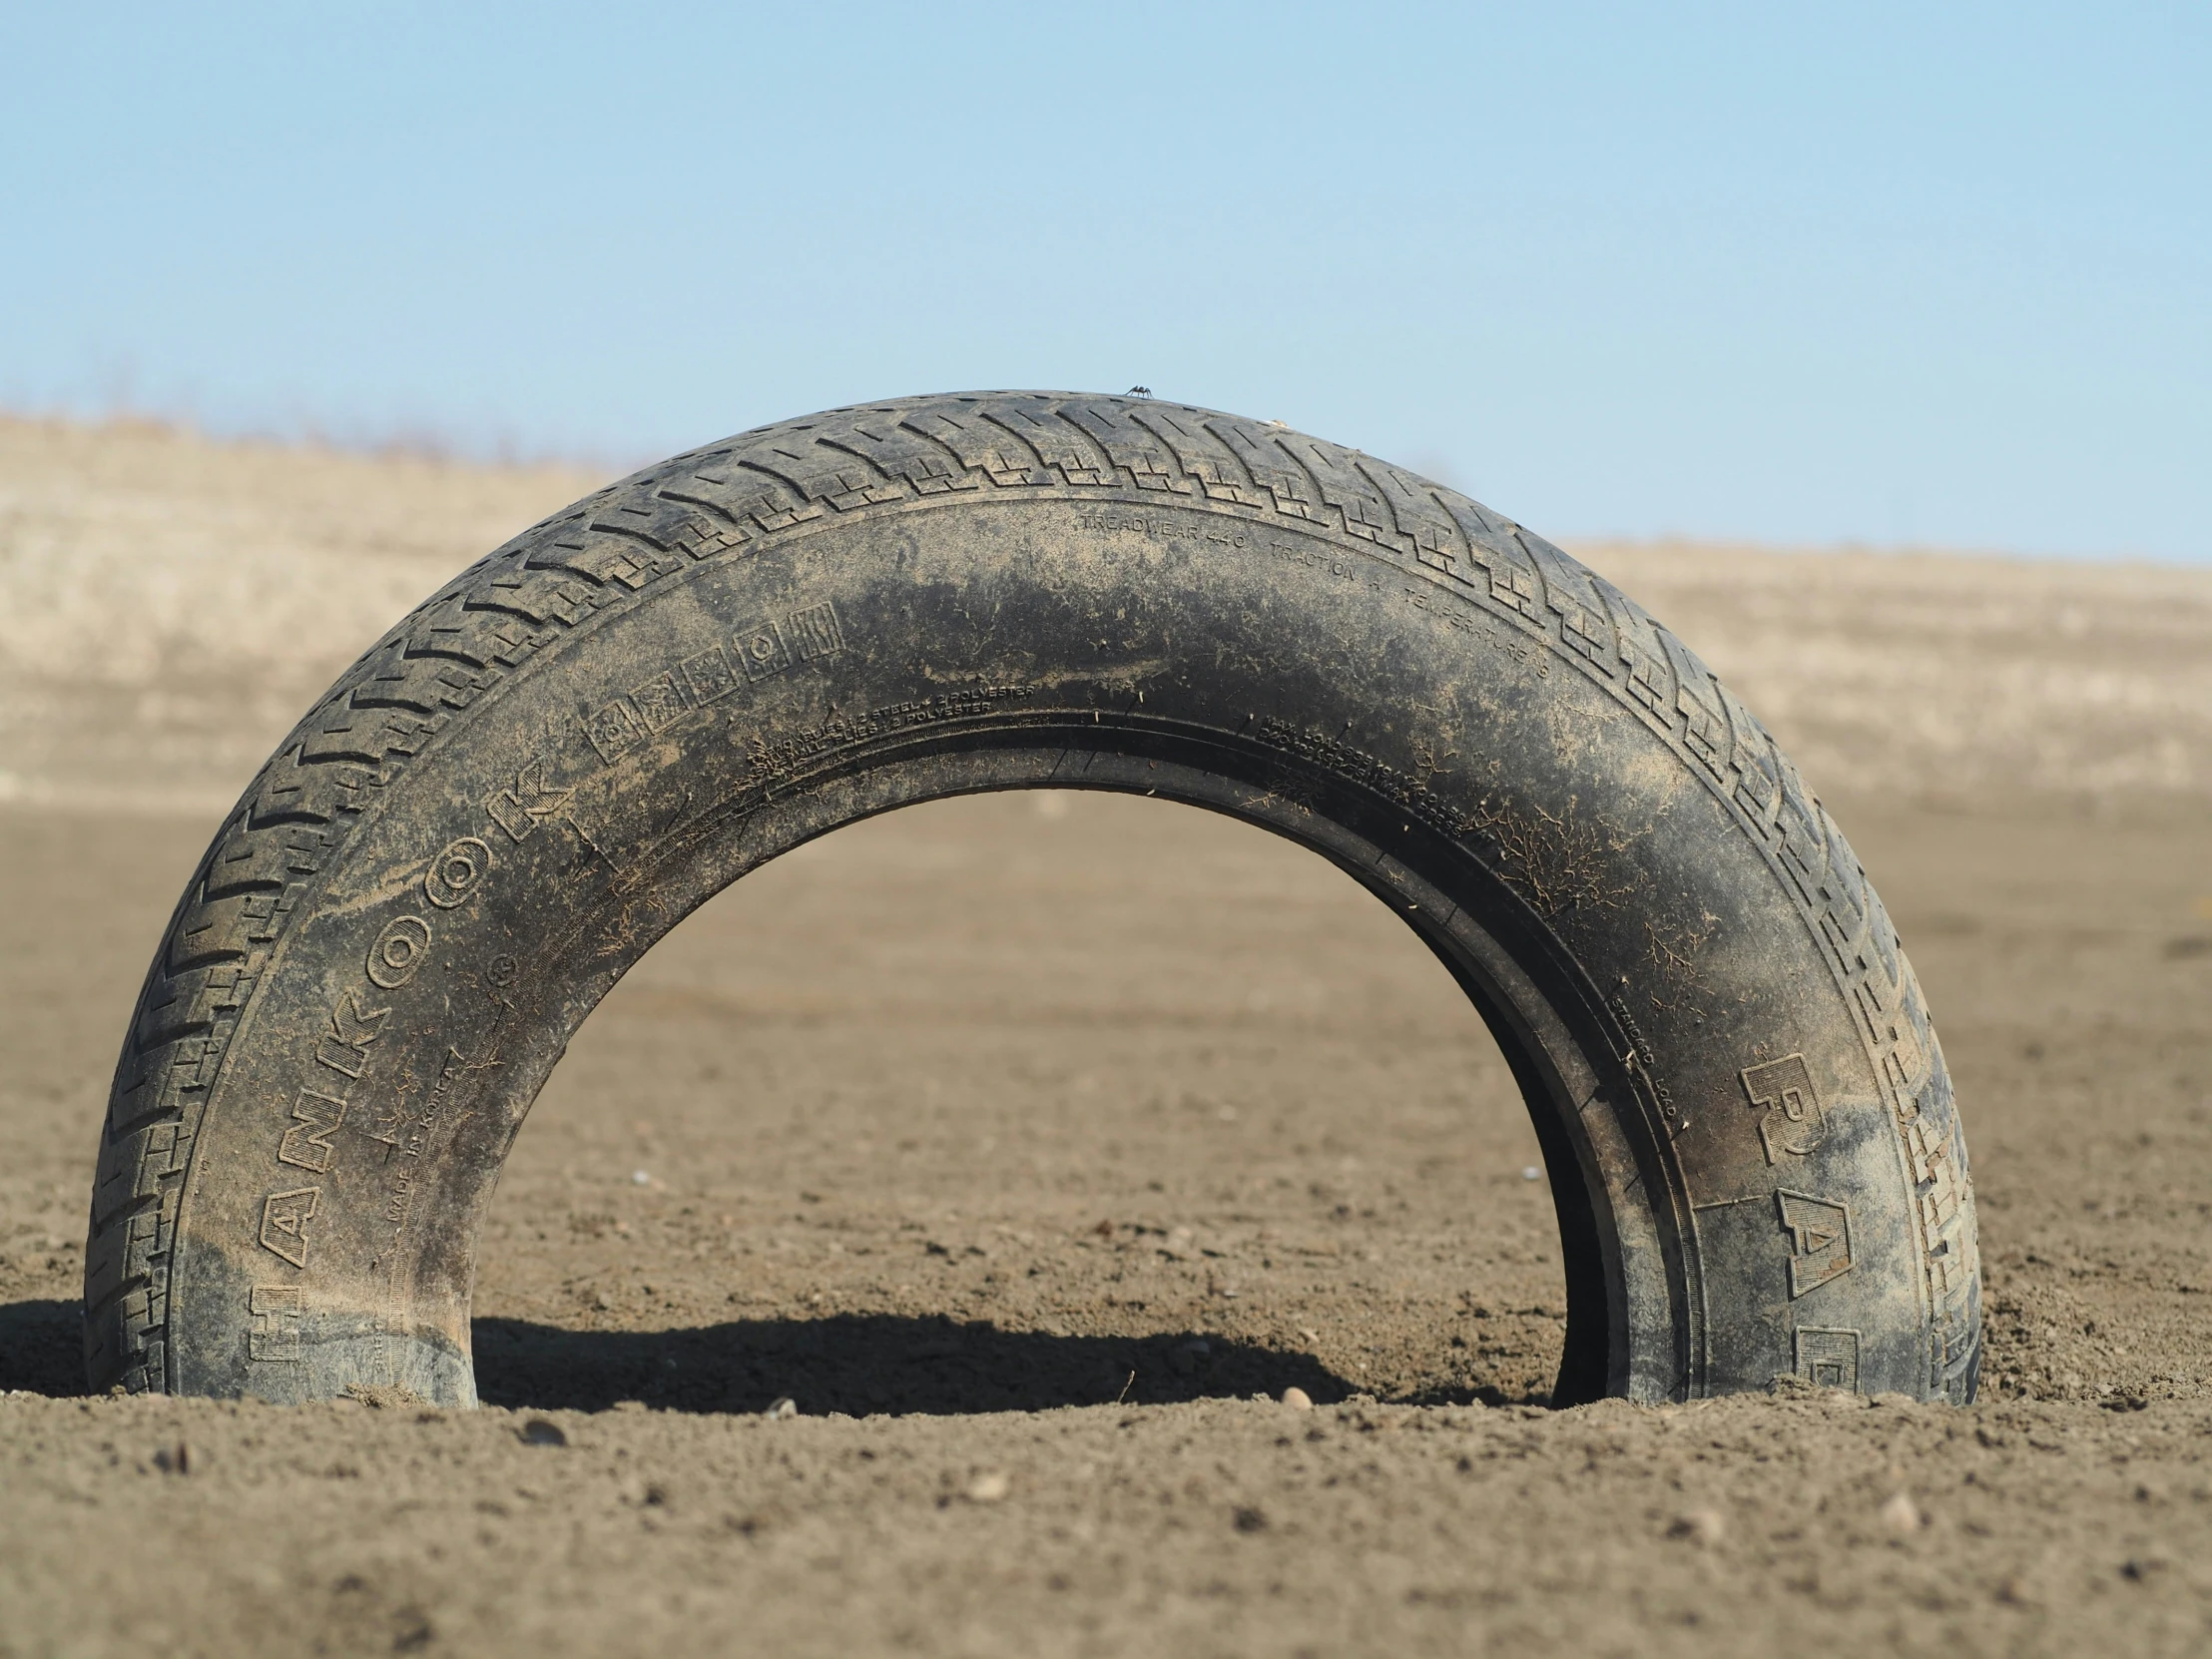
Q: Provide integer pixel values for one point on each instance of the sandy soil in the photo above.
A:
(1021, 1142)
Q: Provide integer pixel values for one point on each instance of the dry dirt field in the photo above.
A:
(1060, 1134)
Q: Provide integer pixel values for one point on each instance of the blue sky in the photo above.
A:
(1785, 272)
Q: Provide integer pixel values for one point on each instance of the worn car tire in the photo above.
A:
(1750, 1132)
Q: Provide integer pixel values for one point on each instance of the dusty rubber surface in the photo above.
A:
(2068, 949)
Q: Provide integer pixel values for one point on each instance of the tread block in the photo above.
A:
(757, 498)
(898, 452)
(1502, 565)
(815, 472)
(678, 526)
(599, 559)
(1133, 448)
(1343, 490)
(1203, 458)
(1571, 594)
(980, 446)
(1423, 526)
(1059, 446)
(1273, 468)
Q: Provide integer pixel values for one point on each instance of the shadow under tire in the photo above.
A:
(1748, 1126)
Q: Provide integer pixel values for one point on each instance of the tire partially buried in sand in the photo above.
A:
(1746, 1119)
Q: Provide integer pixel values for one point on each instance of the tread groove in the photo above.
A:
(194, 964)
(128, 1127)
(144, 1043)
(94, 1307)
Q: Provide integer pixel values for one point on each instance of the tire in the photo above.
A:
(1748, 1129)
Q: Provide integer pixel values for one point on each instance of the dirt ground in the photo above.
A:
(1055, 1136)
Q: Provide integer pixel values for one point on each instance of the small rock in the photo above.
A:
(1703, 1527)
(1296, 1399)
(384, 1397)
(1901, 1514)
(538, 1431)
(174, 1459)
(638, 1178)
(1248, 1519)
(783, 1406)
(986, 1488)
(1531, 1173)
